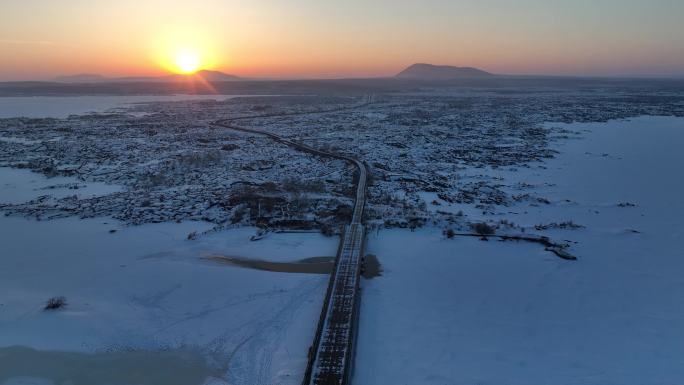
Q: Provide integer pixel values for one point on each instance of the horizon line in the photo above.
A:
(160, 78)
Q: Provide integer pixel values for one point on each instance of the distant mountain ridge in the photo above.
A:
(210, 75)
(203, 75)
(416, 71)
(431, 71)
(80, 78)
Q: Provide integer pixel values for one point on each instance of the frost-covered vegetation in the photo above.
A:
(424, 151)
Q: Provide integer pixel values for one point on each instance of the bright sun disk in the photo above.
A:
(187, 62)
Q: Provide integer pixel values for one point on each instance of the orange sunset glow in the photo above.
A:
(336, 39)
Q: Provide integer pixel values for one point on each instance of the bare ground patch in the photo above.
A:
(312, 265)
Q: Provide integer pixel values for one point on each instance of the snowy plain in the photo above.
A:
(457, 311)
(464, 311)
(145, 293)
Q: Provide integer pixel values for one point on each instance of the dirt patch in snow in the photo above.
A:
(313, 265)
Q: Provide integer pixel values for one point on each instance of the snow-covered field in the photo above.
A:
(464, 311)
(145, 289)
(446, 311)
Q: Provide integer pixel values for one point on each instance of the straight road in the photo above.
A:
(332, 353)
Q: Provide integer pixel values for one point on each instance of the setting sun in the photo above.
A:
(187, 62)
(184, 50)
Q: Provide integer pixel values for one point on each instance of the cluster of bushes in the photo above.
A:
(562, 225)
(55, 303)
(483, 229)
(199, 159)
(296, 185)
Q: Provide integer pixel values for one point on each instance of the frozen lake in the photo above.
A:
(143, 290)
(63, 106)
(22, 185)
(463, 311)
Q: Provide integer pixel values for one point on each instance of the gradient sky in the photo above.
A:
(40, 39)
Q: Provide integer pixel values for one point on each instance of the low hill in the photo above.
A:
(430, 71)
(80, 78)
(214, 76)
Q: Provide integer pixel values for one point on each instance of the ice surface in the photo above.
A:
(464, 311)
(63, 106)
(147, 288)
(21, 185)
